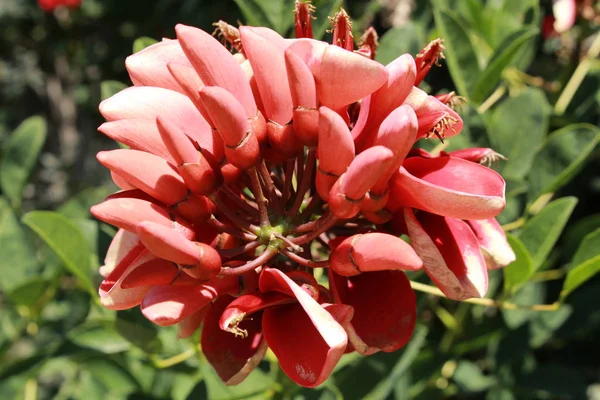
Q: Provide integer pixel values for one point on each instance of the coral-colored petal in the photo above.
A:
(138, 134)
(142, 102)
(126, 213)
(448, 186)
(148, 67)
(215, 65)
(345, 77)
(492, 239)
(188, 326)
(384, 309)
(233, 357)
(307, 350)
(336, 147)
(122, 243)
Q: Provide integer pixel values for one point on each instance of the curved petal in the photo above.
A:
(144, 102)
(447, 186)
(188, 326)
(148, 67)
(122, 243)
(450, 253)
(215, 65)
(233, 357)
(137, 134)
(307, 347)
(385, 309)
(492, 239)
(345, 77)
(268, 64)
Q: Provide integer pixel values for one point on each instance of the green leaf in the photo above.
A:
(529, 294)
(66, 240)
(410, 353)
(397, 41)
(589, 248)
(18, 263)
(460, 56)
(29, 293)
(141, 43)
(579, 275)
(503, 57)
(563, 155)
(542, 231)
(543, 325)
(517, 129)
(256, 383)
(138, 330)
(100, 336)
(78, 206)
(113, 377)
(20, 156)
(520, 270)
(255, 14)
(469, 378)
(110, 88)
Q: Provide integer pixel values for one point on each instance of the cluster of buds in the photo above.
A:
(266, 195)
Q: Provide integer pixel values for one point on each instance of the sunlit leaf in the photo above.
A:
(520, 270)
(141, 43)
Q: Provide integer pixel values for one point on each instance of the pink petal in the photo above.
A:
(167, 305)
(345, 77)
(138, 134)
(141, 102)
(336, 147)
(384, 309)
(122, 243)
(157, 272)
(215, 65)
(450, 253)
(305, 352)
(233, 357)
(448, 186)
(565, 13)
(147, 172)
(373, 252)
(492, 239)
(148, 67)
(268, 64)
(433, 115)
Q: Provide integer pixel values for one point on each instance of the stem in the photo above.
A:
(270, 186)
(490, 101)
(486, 302)
(289, 243)
(323, 224)
(307, 212)
(304, 184)
(306, 227)
(261, 200)
(230, 253)
(577, 78)
(250, 265)
(303, 261)
(171, 361)
(224, 228)
(236, 219)
(287, 180)
(250, 210)
(511, 226)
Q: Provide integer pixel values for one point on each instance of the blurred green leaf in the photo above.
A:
(100, 336)
(256, 383)
(16, 250)
(500, 393)
(589, 248)
(410, 352)
(557, 381)
(575, 234)
(460, 55)
(469, 378)
(503, 57)
(398, 41)
(517, 129)
(543, 325)
(29, 293)
(561, 157)
(529, 294)
(141, 43)
(110, 88)
(66, 240)
(276, 14)
(520, 270)
(542, 231)
(113, 377)
(20, 156)
(133, 326)
(78, 205)
(579, 275)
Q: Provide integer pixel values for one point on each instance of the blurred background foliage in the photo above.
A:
(533, 97)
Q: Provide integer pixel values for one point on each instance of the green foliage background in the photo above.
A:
(534, 100)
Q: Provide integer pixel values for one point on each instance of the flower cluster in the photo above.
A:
(249, 174)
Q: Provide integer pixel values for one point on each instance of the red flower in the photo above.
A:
(50, 5)
(246, 171)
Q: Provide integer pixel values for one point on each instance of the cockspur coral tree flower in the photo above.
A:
(50, 5)
(247, 173)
